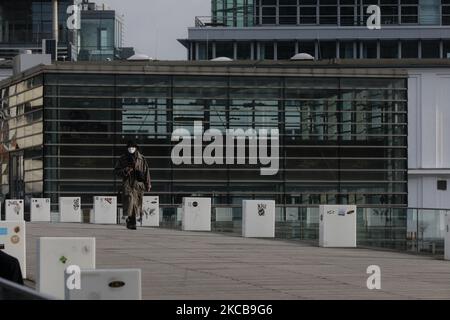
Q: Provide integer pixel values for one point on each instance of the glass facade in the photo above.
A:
(342, 140)
(233, 13)
(21, 133)
(101, 35)
(30, 21)
(408, 16)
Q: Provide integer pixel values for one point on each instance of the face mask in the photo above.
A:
(132, 150)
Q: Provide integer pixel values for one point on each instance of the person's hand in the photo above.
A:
(148, 188)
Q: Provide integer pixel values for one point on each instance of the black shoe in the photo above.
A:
(130, 224)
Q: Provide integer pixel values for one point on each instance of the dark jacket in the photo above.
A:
(10, 268)
(134, 171)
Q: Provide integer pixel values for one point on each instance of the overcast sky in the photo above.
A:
(153, 26)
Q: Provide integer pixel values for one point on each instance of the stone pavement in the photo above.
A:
(198, 265)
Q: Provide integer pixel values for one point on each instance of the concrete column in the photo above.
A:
(55, 20)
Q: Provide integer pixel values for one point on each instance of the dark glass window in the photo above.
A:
(288, 14)
(269, 15)
(348, 16)
(431, 49)
(369, 49)
(244, 50)
(308, 47)
(328, 14)
(447, 49)
(308, 15)
(266, 51)
(285, 50)
(327, 49)
(389, 49)
(346, 50)
(410, 49)
(225, 49)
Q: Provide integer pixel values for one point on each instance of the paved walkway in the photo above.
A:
(193, 265)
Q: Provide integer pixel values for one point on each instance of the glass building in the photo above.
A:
(326, 29)
(25, 23)
(101, 35)
(343, 139)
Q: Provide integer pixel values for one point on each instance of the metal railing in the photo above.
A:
(12, 291)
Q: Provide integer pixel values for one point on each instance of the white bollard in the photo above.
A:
(113, 284)
(54, 255)
(337, 226)
(70, 209)
(150, 211)
(105, 210)
(14, 210)
(13, 239)
(258, 218)
(40, 210)
(196, 214)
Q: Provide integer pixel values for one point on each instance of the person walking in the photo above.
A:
(134, 171)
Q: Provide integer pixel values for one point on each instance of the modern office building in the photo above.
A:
(101, 34)
(326, 29)
(363, 132)
(24, 24)
(343, 130)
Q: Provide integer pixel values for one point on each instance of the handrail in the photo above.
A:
(19, 292)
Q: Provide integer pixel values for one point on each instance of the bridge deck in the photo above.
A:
(193, 265)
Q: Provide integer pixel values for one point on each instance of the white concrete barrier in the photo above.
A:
(196, 214)
(70, 209)
(105, 210)
(258, 218)
(337, 226)
(113, 284)
(40, 210)
(13, 239)
(54, 255)
(150, 211)
(14, 210)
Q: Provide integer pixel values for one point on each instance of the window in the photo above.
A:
(442, 185)
(266, 51)
(429, 12)
(369, 50)
(244, 50)
(389, 49)
(327, 49)
(285, 50)
(446, 49)
(446, 12)
(328, 12)
(308, 47)
(348, 15)
(431, 49)
(103, 39)
(288, 12)
(409, 13)
(308, 15)
(410, 49)
(269, 15)
(225, 49)
(346, 50)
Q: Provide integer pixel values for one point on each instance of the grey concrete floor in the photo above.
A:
(197, 265)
